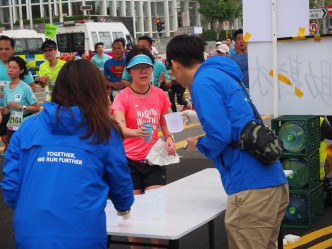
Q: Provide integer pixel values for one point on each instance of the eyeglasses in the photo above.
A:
(168, 65)
(141, 67)
(48, 51)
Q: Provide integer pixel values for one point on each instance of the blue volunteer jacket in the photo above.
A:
(57, 183)
(223, 110)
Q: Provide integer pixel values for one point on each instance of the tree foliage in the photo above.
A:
(314, 4)
(218, 11)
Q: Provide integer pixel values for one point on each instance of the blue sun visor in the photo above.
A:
(140, 59)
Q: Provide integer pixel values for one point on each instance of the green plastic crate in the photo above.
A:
(311, 125)
(313, 164)
(315, 199)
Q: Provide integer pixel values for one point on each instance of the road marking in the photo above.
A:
(322, 245)
(310, 237)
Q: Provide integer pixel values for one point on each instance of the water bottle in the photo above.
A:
(300, 175)
(297, 210)
(293, 136)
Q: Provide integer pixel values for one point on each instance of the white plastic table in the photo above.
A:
(191, 202)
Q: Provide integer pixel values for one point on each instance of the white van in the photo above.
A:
(75, 35)
(28, 46)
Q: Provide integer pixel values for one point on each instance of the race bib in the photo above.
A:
(15, 120)
(18, 97)
(2, 87)
(49, 90)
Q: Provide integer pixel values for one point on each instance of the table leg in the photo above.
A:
(109, 238)
(280, 240)
(212, 244)
(173, 244)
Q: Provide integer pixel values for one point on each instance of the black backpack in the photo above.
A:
(258, 139)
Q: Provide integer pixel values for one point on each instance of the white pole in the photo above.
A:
(10, 14)
(60, 11)
(132, 12)
(30, 13)
(324, 19)
(50, 11)
(166, 13)
(20, 13)
(275, 59)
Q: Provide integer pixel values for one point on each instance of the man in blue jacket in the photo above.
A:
(258, 194)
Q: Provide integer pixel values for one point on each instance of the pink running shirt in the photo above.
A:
(137, 112)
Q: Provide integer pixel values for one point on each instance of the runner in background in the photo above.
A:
(154, 50)
(100, 58)
(114, 67)
(222, 50)
(178, 90)
(48, 70)
(19, 101)
(7, 50)
(80, 55)
(230, 45)
(160, 75)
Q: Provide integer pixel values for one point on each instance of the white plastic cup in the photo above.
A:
(174, 122)
(112, 219)
(140, 210)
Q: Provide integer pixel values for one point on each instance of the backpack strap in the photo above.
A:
(259, 118)
(233, 143)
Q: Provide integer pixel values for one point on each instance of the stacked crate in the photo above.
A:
(305, 155)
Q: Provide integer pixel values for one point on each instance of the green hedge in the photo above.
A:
(211, 35)
(55, 19)
(222, 34)
(0, 24)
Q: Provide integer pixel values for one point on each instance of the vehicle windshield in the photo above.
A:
(28, 46)
(70, 42)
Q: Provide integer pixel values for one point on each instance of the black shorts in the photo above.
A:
(10, 133)
(143, 175)
(3, 125)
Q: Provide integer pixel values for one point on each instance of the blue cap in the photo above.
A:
(140, 59)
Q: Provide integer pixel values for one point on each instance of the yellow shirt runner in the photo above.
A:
(52, 73)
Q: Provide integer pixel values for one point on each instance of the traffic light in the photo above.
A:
(160, 25)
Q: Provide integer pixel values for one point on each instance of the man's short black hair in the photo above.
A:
(97, 44)
(123, 42)
(188, 50)
(146, 38)
(6, 38)
(80, 52)
(49, 44)
(239, 31)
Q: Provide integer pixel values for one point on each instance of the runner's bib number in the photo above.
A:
(15, 120)
(2, 87)
(49, 90)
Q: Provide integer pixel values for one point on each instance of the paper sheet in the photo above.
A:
(158, 155)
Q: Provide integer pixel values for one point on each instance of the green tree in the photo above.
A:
(218, 11)
(319, 3)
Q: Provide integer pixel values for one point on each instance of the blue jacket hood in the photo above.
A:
(67, 121)
(223, 64)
